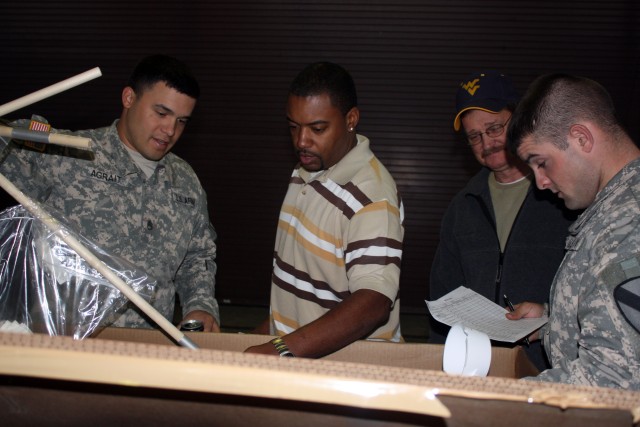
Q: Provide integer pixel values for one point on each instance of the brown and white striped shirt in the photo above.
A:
(339, 231)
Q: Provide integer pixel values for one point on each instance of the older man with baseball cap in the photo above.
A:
(500, 235)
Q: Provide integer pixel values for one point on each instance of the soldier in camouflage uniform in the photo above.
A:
(566, 129)
(131, 196)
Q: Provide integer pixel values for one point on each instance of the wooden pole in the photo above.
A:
(49, 91)
(47, 138)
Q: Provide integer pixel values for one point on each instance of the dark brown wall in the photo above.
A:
(407, 58)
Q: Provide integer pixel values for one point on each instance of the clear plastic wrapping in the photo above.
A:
(46, 287)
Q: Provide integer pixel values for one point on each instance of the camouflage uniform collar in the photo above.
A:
(627, 173)
(121, 157)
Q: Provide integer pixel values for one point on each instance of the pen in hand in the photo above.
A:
(508, 302)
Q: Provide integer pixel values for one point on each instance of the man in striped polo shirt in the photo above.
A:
(336, 265)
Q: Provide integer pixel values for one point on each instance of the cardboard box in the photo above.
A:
(138, 377)
(505, 362)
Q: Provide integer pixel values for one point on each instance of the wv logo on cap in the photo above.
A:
(471, 86)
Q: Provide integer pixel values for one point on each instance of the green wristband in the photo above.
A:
(281, 347)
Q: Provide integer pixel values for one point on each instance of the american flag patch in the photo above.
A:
(38, 127)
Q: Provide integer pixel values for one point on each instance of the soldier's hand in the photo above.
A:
(208, 321)
(527, 310)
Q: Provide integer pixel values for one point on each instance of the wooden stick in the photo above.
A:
(49, 91)
(38, 212)
(47, 138)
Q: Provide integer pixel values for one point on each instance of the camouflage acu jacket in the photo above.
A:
(160, 224)
(588, 340)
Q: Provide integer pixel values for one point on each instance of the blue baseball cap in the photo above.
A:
(489, 91)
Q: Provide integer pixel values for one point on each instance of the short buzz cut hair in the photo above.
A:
(162, 68)
(326, 77)
(553, 103)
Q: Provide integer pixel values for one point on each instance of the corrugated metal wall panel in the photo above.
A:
(407, 58)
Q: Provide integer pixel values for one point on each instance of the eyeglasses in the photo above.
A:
(492, 131)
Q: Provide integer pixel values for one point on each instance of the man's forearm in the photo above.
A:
(353, 319)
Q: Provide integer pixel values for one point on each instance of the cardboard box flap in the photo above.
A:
(218, 372)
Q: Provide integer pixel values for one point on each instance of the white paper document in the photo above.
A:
(474, 311)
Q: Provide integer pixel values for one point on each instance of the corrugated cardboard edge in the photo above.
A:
(49, 357)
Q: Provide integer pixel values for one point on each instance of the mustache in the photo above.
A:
(492, 150)
(306, 152)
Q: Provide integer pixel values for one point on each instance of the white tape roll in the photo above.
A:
(466, 352)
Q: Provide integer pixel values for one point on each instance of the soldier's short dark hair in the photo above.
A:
(166, 69)
(553, 103)
(326, 77)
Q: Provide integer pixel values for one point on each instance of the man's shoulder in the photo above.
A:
(375, 166)
(100, 133)
(181, 171)
(103, 138)
(625, 197)
(178, 163)
(375, 180)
